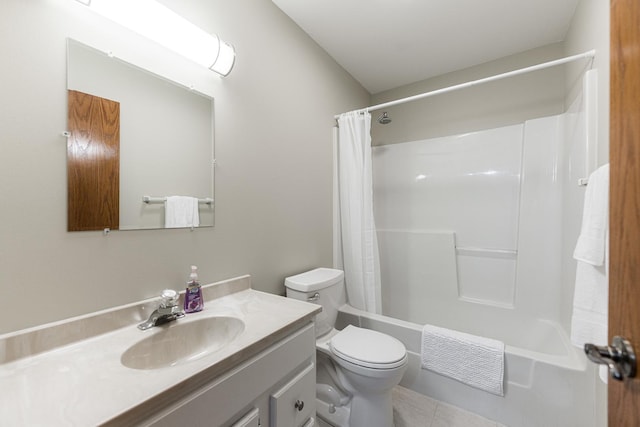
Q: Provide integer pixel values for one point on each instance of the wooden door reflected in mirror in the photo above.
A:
(93, 163)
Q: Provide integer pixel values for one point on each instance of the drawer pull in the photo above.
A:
(299, 405)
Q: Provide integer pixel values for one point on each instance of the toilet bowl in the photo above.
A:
(357, 368)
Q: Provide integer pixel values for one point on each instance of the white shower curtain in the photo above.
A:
(355, 232)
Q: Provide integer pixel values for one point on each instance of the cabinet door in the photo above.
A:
(294, 404)
(221, 401)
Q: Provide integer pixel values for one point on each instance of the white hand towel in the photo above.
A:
(591, 243)
(472, 360)
(181, 211)
(589, 320)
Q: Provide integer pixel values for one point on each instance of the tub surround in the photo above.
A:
(539, 387)
(70, 372)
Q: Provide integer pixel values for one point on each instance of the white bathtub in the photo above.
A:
(548, 382)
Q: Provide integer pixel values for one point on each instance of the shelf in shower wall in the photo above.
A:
(487, 252)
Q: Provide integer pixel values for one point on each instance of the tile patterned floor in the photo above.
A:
(411, 409)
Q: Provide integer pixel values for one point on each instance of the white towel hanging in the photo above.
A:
(591, 243)
(589, 320)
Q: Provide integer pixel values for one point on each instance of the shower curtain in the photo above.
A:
(355, 229)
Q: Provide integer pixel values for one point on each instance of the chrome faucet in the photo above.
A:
(167, 311)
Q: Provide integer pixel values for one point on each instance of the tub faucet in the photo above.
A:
(167, 311)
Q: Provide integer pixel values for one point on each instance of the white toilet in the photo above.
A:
(357, 368)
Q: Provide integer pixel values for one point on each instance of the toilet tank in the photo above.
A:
(323, 286)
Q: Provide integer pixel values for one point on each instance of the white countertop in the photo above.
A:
(83, 383)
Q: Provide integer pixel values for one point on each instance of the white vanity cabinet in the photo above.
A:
(275, 388)
(264, 376)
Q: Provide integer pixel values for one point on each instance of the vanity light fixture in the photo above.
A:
(160, 24)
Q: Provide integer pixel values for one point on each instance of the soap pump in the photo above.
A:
(193, 300)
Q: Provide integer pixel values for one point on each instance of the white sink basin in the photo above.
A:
(182, 341)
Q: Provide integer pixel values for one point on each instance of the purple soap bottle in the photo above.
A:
(193, 300)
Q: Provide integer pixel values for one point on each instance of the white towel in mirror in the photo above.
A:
(181, 211)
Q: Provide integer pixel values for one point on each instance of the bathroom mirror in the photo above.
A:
(131, 135)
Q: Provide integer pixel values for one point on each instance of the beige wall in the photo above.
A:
(485, 106)
(508, 101)
(274, 115)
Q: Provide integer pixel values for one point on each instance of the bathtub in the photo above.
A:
(548, 382)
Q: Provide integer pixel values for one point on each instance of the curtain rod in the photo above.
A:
(589, 54)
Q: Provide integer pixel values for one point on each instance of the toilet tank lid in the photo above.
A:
(314, 280)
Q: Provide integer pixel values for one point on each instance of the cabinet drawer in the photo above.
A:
(294, 403)
(250, 420)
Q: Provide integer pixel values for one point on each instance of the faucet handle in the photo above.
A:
(169, 298)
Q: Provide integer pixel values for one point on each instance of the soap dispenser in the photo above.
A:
(193, 300)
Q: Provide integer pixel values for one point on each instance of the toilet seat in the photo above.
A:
(367, 348)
